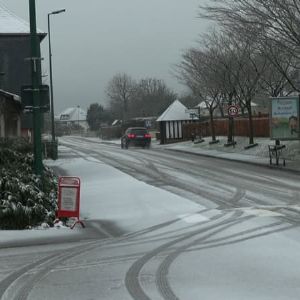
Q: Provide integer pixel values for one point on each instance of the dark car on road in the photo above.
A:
(136, 136)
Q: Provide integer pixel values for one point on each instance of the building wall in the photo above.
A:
(172, 130)
(13, 51)
(10, 118)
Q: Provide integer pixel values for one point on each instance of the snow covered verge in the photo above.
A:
(290, 152)
(25, 200)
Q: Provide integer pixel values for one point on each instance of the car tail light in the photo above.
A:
(147, 135)
(131, 136)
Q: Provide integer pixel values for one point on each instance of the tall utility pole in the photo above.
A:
(36, 77)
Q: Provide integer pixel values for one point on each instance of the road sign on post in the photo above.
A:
(69, 198)
(233, 111)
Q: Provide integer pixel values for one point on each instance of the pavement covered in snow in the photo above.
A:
(105, 192)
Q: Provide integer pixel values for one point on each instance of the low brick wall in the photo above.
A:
(241, 127)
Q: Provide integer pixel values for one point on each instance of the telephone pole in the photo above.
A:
(36, 77)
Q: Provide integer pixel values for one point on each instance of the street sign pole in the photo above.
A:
(233, 141)
(36, 81)
(233, 111)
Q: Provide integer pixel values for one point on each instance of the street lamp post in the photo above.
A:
(50, 70)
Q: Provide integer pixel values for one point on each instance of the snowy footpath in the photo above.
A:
(108, 195)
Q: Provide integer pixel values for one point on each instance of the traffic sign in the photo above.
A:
(233, 110)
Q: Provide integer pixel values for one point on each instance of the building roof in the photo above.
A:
(11, 24)
(175, 112)
(203, 104)
(72, 114)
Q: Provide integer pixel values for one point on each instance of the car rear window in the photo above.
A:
(139, 131)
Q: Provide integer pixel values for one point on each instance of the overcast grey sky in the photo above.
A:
(95, 39)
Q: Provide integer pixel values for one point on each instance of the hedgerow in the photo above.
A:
(26, 200)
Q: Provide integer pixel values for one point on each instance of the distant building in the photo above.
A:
(73, 116)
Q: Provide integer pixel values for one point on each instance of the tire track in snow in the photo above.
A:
(132, 281)
(162, 281)
(40, 269)
(18, 285)
(151, 174)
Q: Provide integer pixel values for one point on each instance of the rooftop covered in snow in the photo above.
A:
(175, 112)
(72, 114)
(11, 24)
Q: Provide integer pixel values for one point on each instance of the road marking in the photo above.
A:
(258, 212)
(193, 218)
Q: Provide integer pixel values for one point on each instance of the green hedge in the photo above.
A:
(25, 199)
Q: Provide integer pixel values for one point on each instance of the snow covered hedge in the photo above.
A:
(25, 199)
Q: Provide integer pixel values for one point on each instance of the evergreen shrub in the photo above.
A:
(25, 199)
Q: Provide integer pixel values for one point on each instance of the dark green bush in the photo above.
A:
(25, 199)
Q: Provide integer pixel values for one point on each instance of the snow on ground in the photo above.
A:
(292, 150)
(108, 194)
(8, 236)
(111, 195)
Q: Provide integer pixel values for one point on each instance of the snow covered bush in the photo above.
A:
(25, 199)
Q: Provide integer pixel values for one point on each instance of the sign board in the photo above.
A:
(193, 112)
(284, 118)
(148, 123)
(68, 197)
(27, 97)
(233, 110)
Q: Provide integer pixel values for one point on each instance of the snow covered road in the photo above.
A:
(174, 226)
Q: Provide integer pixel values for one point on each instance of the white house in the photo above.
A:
(171, 122)
(73, 116)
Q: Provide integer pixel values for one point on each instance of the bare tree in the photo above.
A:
(274, 81)
(275, 23)
(152, 97)
(281, 75)
(226, 72)
(197, 73)
(230, 69)
(251, 67)
(189, 99)
(120, 90)
(277, 19)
